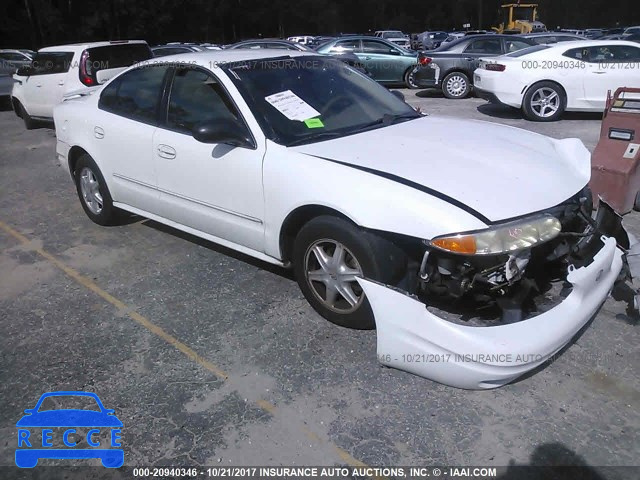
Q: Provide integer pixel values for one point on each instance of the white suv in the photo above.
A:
(66, 69)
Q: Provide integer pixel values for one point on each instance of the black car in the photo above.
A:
(551, 37)
(450, 67)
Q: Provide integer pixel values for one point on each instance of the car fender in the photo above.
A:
(378, 204)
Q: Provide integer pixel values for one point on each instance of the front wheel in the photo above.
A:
(329, 255)
(456, 85)
(544, 102)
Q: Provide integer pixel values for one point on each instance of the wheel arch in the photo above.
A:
(545, 80)
(296, 219)
(74, 154)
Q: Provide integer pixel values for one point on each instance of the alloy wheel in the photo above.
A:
(90, 188)
(545, 102)
(331, 270)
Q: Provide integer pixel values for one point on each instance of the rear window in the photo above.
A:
(117, 56)
(47, 63)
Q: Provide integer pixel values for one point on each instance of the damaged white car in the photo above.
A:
(470, 246)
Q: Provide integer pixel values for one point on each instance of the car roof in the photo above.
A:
(76, 47)
(213, 57)
(592, 43)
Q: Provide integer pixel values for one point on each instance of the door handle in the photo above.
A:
(599, 73)
(98, 132)
(469, 59)
(165, 151)
(367, 58)
(61, 82)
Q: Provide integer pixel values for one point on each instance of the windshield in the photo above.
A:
(310, 98)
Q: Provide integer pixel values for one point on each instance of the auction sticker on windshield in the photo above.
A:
(292, 106)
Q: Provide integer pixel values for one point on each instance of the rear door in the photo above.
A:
(123, 131)
(45, 87)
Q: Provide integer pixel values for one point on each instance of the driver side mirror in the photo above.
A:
(226, 131)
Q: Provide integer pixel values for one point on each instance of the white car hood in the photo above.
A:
(500, 172)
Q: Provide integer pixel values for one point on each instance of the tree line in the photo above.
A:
(37, 23)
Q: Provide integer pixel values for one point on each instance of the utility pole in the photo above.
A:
(479, 14)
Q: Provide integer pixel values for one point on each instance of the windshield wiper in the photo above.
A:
(317, 137)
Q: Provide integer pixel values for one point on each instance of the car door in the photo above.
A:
(383, 60)
(212, 188)
(478, 48)
(610, 67)
(44, 87)
(123, 135)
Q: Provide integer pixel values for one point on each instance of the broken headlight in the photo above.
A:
(501, 239)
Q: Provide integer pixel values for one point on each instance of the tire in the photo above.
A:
(456, 85)
(409, 79)
(636, 203)
(534, 107)
(29, 123)
(97, 204)
(363, 254)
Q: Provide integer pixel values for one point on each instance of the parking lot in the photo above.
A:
(212, 358)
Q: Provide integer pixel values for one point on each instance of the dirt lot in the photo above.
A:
(211, 358)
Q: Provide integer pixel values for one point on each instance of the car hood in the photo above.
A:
(499, 172)
(69, 418)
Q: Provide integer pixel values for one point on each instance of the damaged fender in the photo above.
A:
(411, 338)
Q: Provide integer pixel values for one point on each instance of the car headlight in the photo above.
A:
(506, 238)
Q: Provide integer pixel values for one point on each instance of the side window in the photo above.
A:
(197, 97)
(348, 45)
(371, 46)
(135, 94)
(48, 63)
(514, 45)
(623, 53)
(484, 45)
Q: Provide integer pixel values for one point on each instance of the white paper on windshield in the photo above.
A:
(292, 106)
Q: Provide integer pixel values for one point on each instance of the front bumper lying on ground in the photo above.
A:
(413, 339)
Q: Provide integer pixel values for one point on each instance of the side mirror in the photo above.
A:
(229, 132)
(25, 71)
(398, 94)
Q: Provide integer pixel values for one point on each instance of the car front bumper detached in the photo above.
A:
(412, 338)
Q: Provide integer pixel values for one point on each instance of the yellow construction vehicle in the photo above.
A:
(520, 18)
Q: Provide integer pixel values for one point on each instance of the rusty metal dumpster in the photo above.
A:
(615, 163)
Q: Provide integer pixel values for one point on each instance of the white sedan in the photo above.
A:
(387, 216)
(547, 80)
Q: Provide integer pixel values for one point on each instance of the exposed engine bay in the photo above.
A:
(485, 290)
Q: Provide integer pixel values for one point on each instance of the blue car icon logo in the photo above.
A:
(33, 445)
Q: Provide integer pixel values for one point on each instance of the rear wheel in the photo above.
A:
(544, 102)
(456, 85)
(410, 80)
(93, 192)
(329, 255)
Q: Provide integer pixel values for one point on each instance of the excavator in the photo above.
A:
(520, 18)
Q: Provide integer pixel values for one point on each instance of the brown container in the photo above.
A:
(615, 163)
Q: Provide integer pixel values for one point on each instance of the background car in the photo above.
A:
(429, 40)
(547, 80)
(64, 69)
(632, 30)
(176, 48)
(15, 58)
(347, 57)
(551, 37)
(450, 67)
(386, 62)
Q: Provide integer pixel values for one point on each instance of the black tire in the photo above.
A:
(456, 85)
(107, 214)
(636, 203)
(29, 123)
(535, 93)
(377, 258)
(409, 79)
